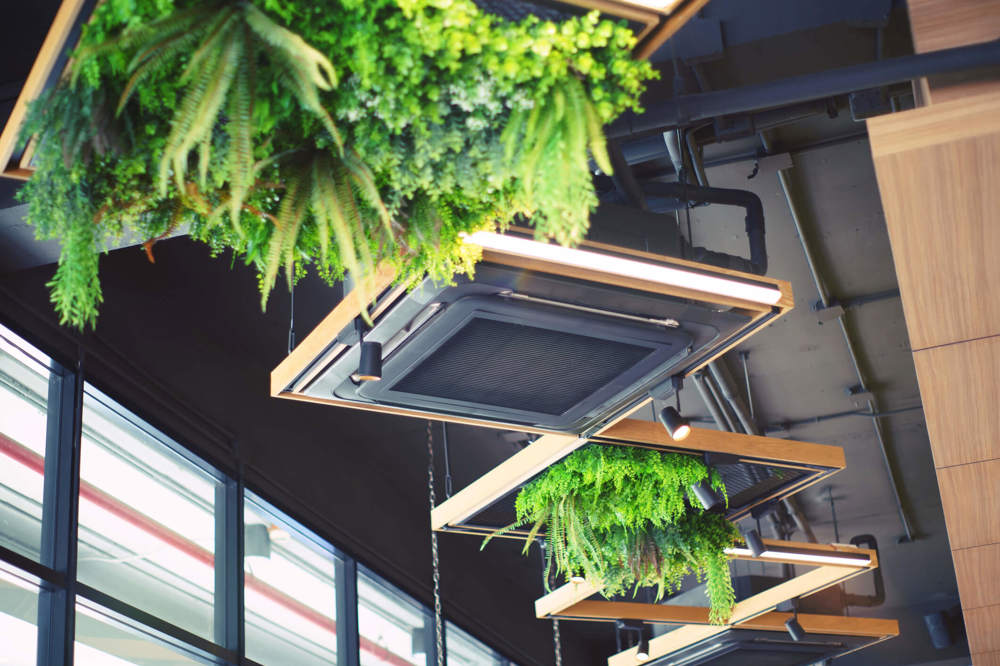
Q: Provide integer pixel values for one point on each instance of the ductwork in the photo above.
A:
(757, 263)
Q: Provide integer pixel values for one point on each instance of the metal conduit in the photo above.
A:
(824, 296)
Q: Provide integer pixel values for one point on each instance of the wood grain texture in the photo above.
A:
(978, 573)
(956, 383)
(563, 597)
(970, 497)
(938, 171)
(718, 441)
(982, 625)
(42, 68)
(812, 581)
(986, 659)
(944, 24)
(504, 478)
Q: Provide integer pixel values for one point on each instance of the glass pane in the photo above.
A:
(24, 388)
(289, 591)
(102, 640)
(147, 527)
(18, 619)
(393, 627)
(464, 650)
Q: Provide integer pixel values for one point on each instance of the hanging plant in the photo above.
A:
(624, 518)
(338, 135)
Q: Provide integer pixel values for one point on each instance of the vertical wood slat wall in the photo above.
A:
(938, 170)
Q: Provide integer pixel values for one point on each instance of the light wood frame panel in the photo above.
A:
(570, 601)
(291, 374)
(878, 629)
(822, 460)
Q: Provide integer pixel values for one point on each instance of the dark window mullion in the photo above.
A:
(229, 565)
(348, 640)
(60, 510)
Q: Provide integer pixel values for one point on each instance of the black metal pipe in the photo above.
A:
(757, 263)
(686, 109)
(868, 600)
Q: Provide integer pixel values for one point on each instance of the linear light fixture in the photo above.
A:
(808, 558)
(665, 6)
(640, 270)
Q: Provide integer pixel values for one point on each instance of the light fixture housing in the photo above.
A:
(817, 559)
(642, 652)
(370, 365)
(630, 268)
(755, 543)
(677, 426)
(795, 629)
(709, 499)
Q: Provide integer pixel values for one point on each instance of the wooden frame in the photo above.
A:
(878, 629)
(570, 602)
(821, 460)
(658, 26)
(291, 376)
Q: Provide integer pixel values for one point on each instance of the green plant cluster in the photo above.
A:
(338, 135)
(624, 518)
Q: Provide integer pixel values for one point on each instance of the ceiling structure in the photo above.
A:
(189, 328)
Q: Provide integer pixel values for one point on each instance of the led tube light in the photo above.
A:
(809, 558)
(630, 268)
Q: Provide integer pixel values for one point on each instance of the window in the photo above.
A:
(464, 650)
(147, 519)
(155, 533)
(394, 629)
(102, 639)
(24, 387)
(289, 590)
(18, 618)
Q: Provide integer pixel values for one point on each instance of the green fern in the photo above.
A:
(623, 518)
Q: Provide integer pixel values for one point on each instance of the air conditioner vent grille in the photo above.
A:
(521, 367)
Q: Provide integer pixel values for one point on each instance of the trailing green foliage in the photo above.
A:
(625, 518)
(340, 134)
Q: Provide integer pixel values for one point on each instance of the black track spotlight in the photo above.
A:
(755, 544)
(706, 495)
(677, 426)
(642, 653)
(795, 629)
(370, 366)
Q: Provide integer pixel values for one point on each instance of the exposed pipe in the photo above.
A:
(716, 394)
(824, 296)
(706, 397)
(717, 195)
(722, 375)
(683, 110)
(781, 427)
(868, 600)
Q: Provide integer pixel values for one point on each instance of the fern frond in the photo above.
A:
(241, 130)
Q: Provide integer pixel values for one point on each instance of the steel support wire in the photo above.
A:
(824, 297)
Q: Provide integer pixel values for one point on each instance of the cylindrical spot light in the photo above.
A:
(677, 426)
(755, 543)
(706, 495)
(642, 653)
(370, 366)
(795, 629)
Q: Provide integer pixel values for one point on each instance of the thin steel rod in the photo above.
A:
(824, 297)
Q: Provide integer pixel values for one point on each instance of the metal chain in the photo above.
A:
(557, 641)
(438, 637)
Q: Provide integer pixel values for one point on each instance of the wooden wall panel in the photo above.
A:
(938, 170)
(953, 377)
(970, 495)
(983, 627)
(941, 202)
(944, 24)
(978, 571)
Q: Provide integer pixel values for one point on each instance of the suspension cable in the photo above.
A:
(438, 635)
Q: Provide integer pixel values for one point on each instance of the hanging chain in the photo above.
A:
(438, 637)
(558, 643)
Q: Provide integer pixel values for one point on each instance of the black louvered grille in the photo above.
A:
(514, 366)
(746, 482)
